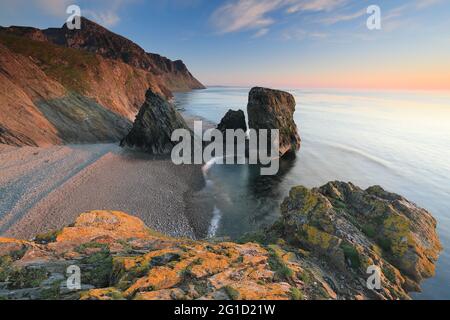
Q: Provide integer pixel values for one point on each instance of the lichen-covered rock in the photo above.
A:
(319, 249)
(154, 125)
(120, 258)
(354, 229)
(274, 109)
(102, 294)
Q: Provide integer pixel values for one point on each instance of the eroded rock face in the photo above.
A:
(154, 125)
(319, 249)
(354, 229)
(274, 109)
(233, 120)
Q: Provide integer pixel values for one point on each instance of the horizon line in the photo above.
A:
(328, 88)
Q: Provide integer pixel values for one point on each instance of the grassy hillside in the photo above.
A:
(67, 66)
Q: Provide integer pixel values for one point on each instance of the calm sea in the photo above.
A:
(399, 140)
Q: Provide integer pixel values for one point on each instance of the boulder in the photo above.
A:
(274, 109)
(233, 120)
(353, 229)
(154, 124)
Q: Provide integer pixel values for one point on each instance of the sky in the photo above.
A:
(277, 43)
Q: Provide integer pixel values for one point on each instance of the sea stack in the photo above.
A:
(274, 109)
(233, 120)
(154, 124)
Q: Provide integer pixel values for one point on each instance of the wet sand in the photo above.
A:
(43, 189)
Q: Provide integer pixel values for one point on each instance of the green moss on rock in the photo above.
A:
(48, 237)
(296, 294)
(26, 277)
(396, 229)
(232, 293)
(97, 268)
(277, 264)
(313, 237)
(352, 255)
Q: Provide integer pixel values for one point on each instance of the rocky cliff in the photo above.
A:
(319, 249)
(60, 86)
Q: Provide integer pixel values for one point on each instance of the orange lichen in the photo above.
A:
(158, 278)
(102, 294)
(209, 263)
(166, 294)
(100, 224)
(250, 290)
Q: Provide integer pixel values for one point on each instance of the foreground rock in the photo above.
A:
(319, 249)
(353, 229)
(121, 259)
(273, 109)
(154, 124)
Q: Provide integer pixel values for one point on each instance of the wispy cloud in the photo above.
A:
(107, 12)
(107, 18)
(260, 15)
(314, 5)
(261, 33)
(398, 17)
(241, 15)
(244, 15)
(420, 4)
(302, 34)
(54, 7)
(336, 18)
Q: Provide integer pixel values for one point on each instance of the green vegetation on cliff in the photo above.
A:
(66, 65)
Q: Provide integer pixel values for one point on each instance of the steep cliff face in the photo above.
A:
(21, 122)
(173, 75)
(60, 86)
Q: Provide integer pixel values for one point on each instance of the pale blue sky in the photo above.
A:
(284, 43)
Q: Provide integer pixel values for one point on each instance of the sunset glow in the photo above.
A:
(281, 43)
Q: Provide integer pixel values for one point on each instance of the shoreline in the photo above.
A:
(47, 188)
